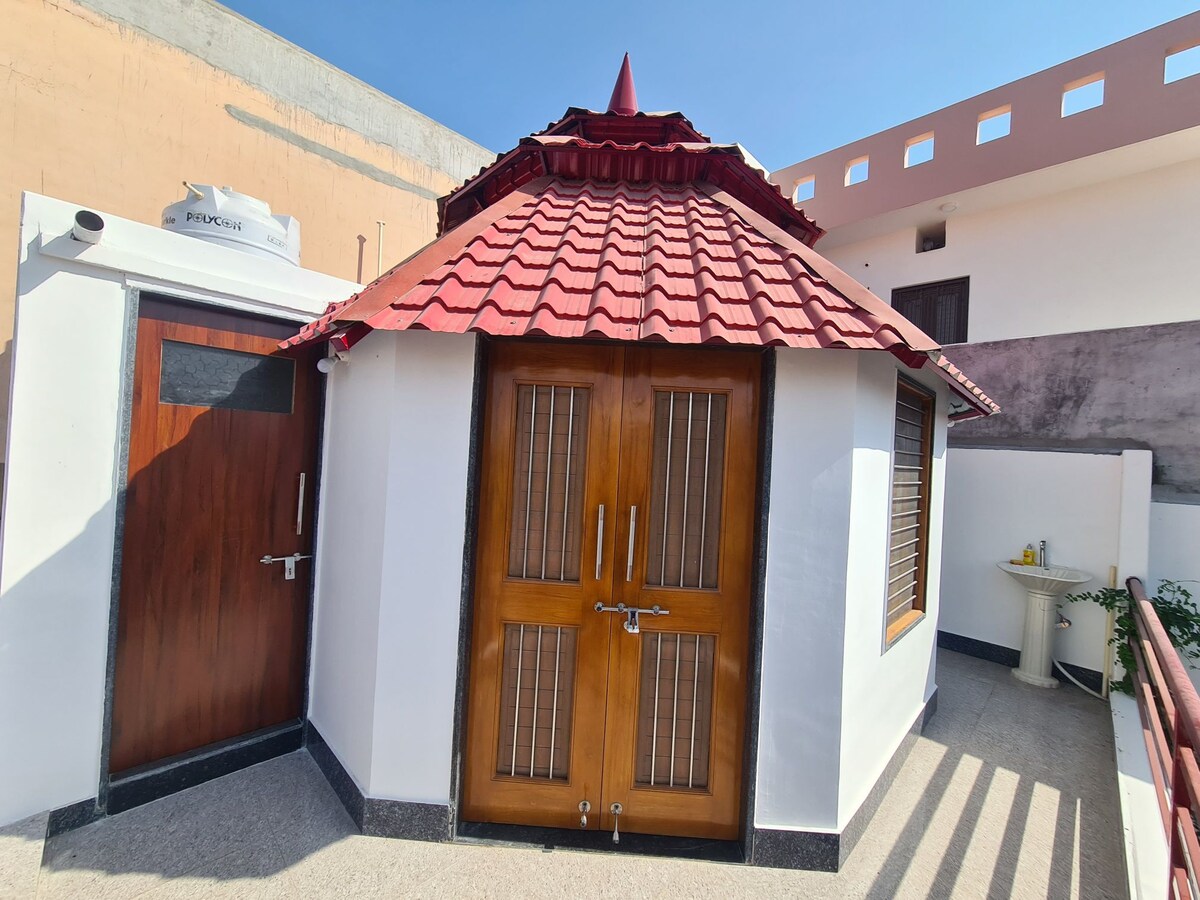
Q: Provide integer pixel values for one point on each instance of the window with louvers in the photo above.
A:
(939, 308)
(908, 544)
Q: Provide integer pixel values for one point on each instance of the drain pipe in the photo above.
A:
(379, 249)
(1064, 622)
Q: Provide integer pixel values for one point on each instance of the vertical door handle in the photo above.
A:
(599, 540)
(300, 506)
(629, 551)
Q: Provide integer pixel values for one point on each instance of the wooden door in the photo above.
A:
(670, 456)
(545, 556)
(677, 687)
(211, 642)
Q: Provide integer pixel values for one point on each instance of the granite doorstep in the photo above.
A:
(158, 780)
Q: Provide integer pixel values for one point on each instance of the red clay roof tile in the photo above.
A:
(680, 263)
(639, 262)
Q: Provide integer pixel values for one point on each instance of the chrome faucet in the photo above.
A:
(1041, 559)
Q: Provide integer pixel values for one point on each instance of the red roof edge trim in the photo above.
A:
(979, 404)
(346, 338)
(578, 116)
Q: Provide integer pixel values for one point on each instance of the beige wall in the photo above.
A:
(114, 118)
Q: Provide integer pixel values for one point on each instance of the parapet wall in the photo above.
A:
(1137, 105)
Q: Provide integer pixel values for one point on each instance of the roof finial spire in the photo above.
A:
(624, 97)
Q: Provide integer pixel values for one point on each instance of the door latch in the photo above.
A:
(631, 614)
(289, 563)
(584, 808)
(616, 809)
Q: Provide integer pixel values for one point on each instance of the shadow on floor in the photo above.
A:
(1011, 792)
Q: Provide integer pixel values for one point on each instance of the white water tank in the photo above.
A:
(223, 216)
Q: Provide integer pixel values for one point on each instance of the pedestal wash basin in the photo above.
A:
(1043, 586)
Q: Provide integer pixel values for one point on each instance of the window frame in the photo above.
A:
(898, 294)
(902, 626)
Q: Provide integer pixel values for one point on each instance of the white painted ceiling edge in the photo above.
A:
(152, 258)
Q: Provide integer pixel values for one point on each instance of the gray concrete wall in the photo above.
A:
(1097, 390)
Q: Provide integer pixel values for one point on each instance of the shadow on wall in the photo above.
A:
(59, 613)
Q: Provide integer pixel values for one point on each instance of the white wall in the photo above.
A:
(1175, 544)
(803, 622)
(58, 528)
(1175, 555)
(835, 704)
(1072, 261)
(883, 689)
(428, 463)
(393, 522)
(997, 501)
(352, 516)
(61, 481)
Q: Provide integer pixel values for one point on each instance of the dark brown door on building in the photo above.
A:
(624, 478)
(211, 641)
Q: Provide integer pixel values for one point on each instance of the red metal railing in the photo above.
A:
(1170, 711)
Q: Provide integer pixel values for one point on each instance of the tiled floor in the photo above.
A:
(1011, 792)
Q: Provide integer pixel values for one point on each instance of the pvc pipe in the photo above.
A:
(379, 249)
(1071, 678)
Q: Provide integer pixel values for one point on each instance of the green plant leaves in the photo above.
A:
(1175, 609)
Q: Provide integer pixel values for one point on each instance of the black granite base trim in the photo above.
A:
(76, 815)
(811, 850)
(826, 851)
(857, 826)
(1006, 656)
(335, 773)
(155, 780)
(567, 838)
(373, 816)
(931, 706)
(407, 819)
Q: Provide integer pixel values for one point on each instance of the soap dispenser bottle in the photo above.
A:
(1029, 557)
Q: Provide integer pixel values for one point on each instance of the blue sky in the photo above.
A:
(788, 80)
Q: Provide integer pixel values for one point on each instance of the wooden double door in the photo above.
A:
(612, 601)
(211, 640)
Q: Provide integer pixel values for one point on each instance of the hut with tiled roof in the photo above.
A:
(631, 511)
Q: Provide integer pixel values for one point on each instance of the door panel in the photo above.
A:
(210, 642)
(550, 464)
(565, 703)
(689, 467)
